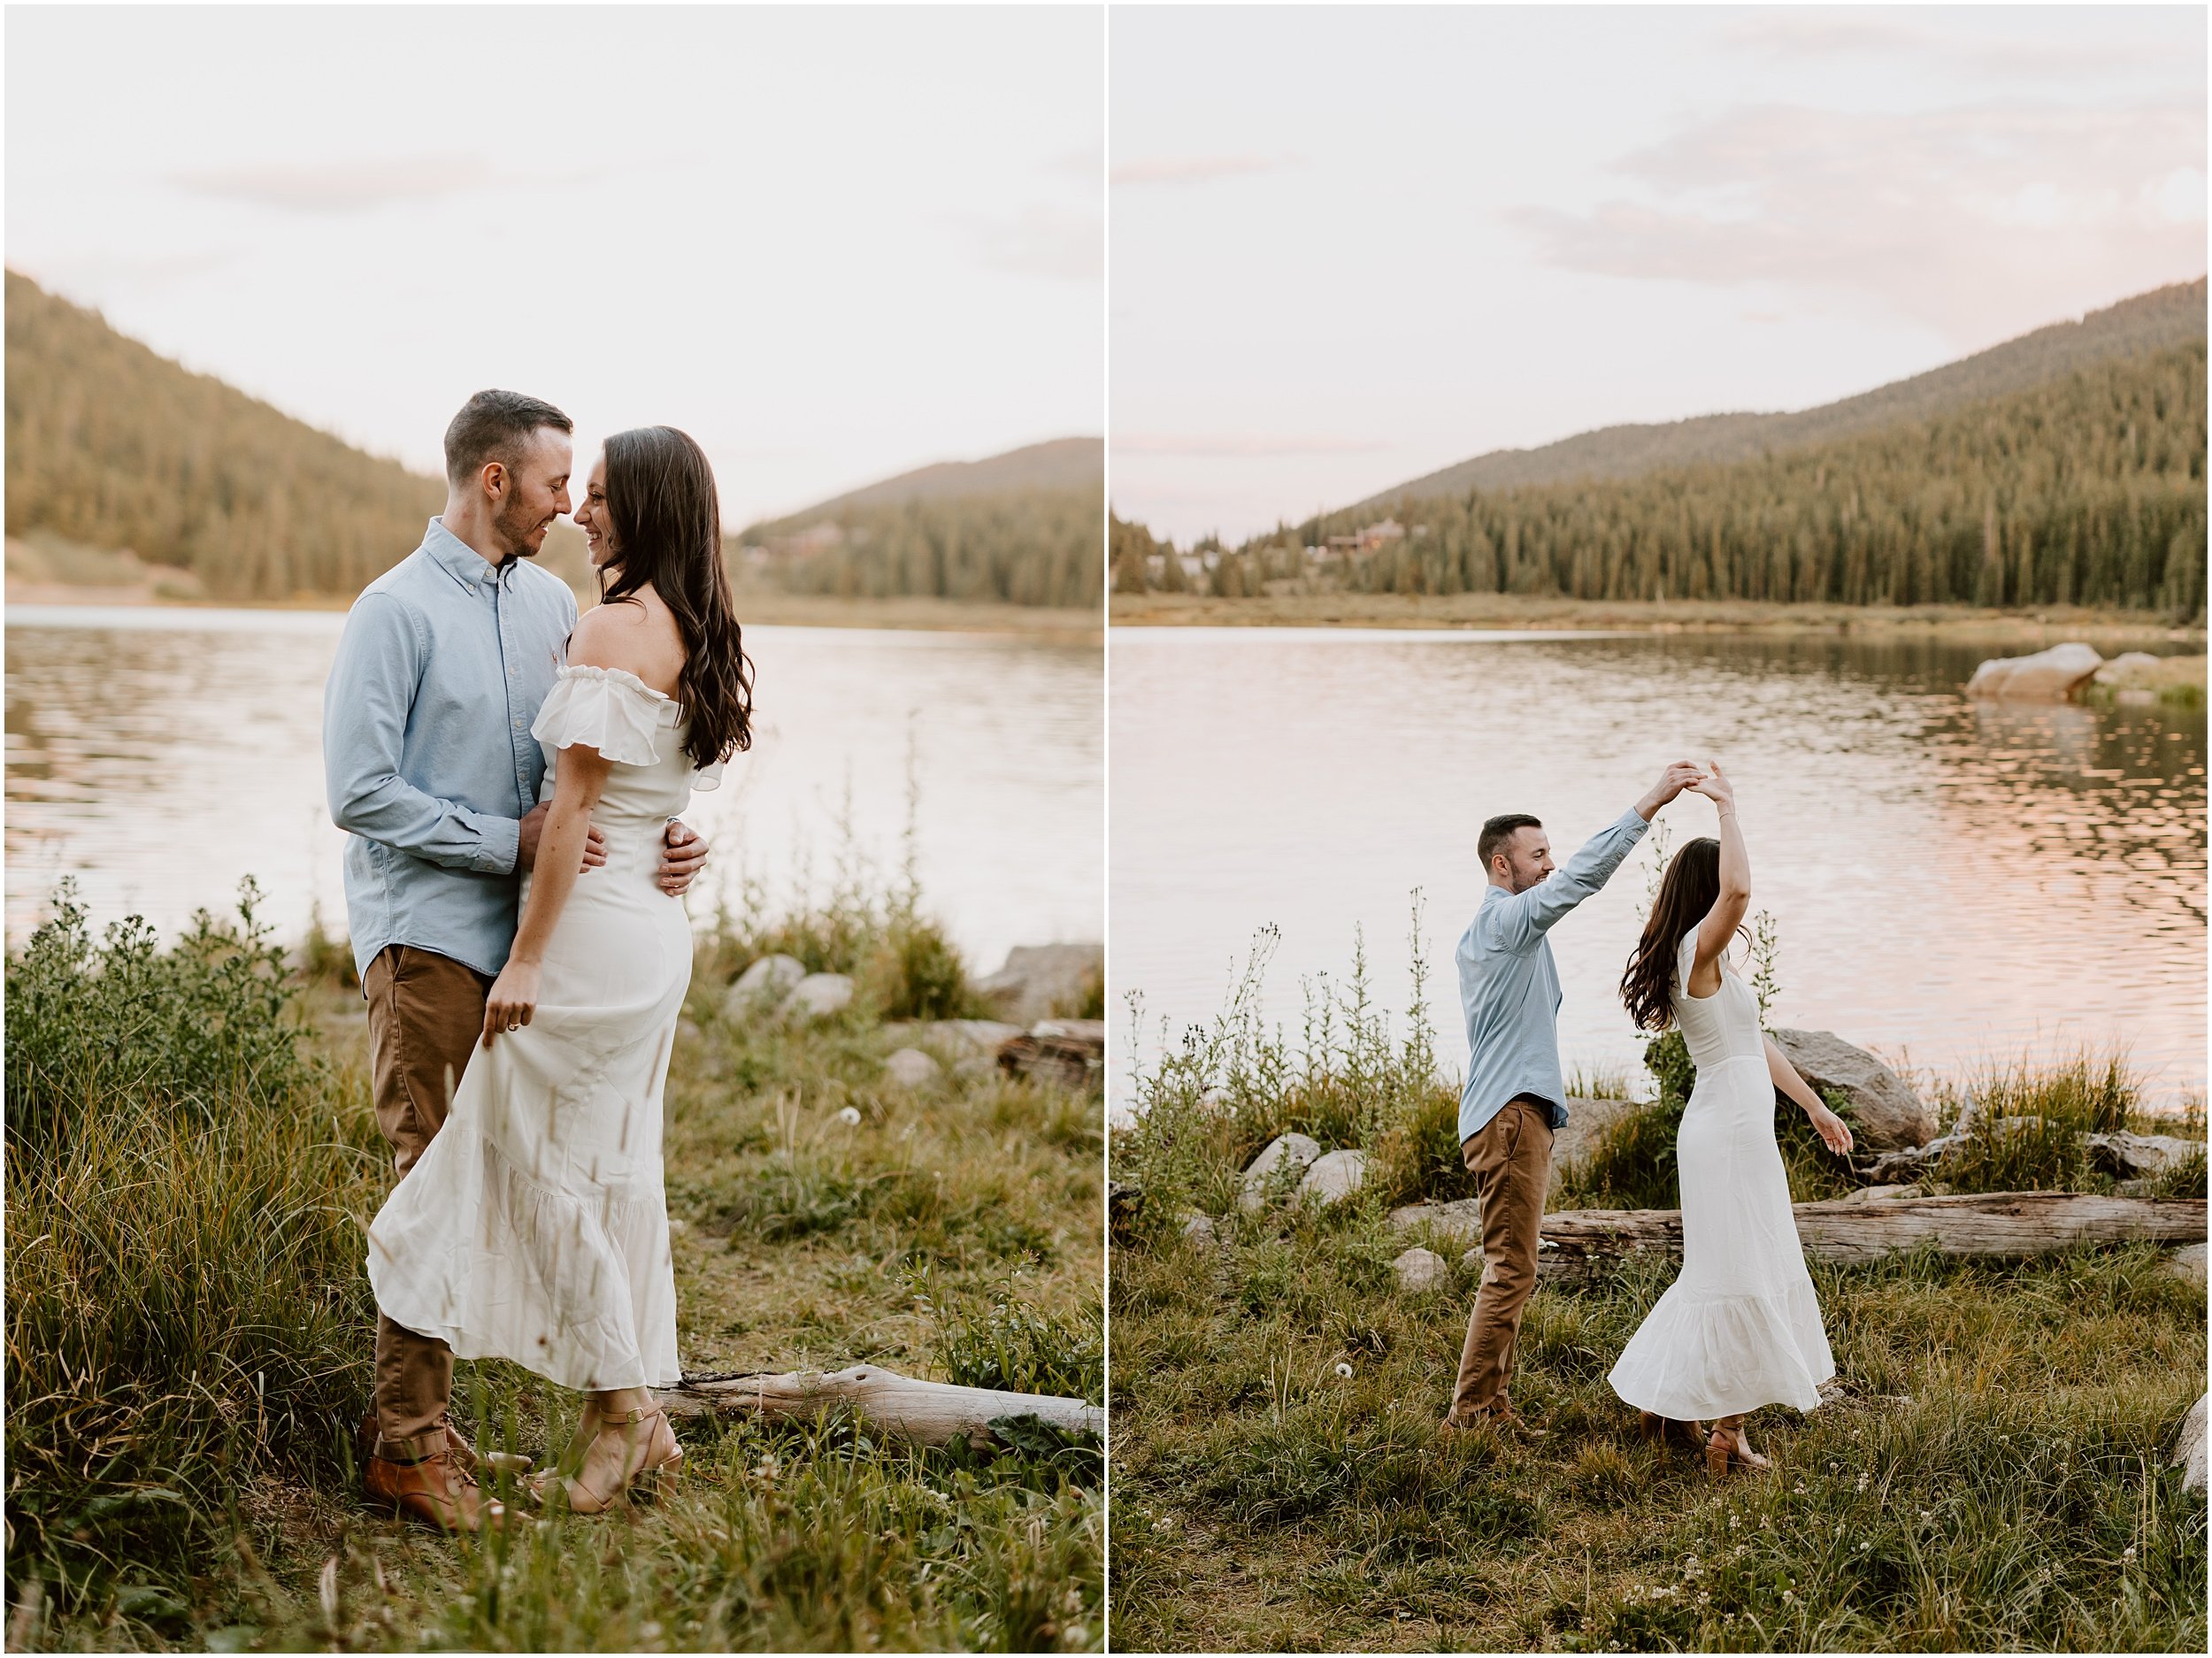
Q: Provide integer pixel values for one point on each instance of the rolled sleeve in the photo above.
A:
(1525, 917)
(366, 703)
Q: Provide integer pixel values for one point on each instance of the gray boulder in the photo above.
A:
(1418, 1270)
(1037, 978)
(1886, 1114)
(2048, 676)
(2129, 668)
(2132, 1155)
(2188, 1264)
(1332, 1178)
(817, 996)
(1299, 1150)
(1200, 1232)
(1459, 1219)
(763, 985)
(911, 1068)
(2189, 1448)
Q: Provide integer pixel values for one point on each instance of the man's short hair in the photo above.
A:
(1498, 830)
(494, 426)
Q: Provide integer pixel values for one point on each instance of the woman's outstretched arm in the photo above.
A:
(1727, 913)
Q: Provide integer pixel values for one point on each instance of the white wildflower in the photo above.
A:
(849, 1117)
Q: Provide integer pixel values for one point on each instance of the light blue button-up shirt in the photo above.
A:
(1509, 985)
(427, 755)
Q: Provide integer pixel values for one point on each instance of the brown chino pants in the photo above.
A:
(426, 1014)
(1511, 1158)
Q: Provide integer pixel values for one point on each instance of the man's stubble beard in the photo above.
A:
(514, 526)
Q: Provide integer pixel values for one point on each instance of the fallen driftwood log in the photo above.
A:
(1999, 1225)
(929, 1413)
(1069, 1052)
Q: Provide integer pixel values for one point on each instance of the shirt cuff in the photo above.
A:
(503, 845)
(1634, 821)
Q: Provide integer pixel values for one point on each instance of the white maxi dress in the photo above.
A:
(1739, 1327)
(535, 1226)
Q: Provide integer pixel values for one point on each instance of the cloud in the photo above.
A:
(340, 187)
(1062, 244)
(2003, 216)
(1820, 34)
(1195, 169)
(1231, 446)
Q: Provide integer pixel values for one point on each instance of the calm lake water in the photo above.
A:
(159, 756)
(1953, 880)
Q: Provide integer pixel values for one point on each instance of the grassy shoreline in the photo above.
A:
(188, 1326)
(1991, 1477)
(2047, 625)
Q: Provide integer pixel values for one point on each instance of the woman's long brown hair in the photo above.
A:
(665, 517)
(1685, 898)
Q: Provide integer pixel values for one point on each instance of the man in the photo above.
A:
(1513, 1100)
(431, 767)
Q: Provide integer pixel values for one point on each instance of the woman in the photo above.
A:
(535, 1228)
(1739, 1327)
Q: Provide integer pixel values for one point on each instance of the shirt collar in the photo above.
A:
(461, 561)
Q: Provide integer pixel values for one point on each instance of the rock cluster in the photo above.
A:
(1319, 1177)
(2048, 676)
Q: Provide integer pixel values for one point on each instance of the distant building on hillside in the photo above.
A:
(1372, 539)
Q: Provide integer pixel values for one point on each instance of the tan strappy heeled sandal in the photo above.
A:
(659, 1466)
(1726, 1447)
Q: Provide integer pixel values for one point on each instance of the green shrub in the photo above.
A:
(1417, 1157)
(187, 1301)
(916, 973)
(205, 1028)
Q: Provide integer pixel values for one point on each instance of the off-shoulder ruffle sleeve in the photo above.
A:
(606, 708)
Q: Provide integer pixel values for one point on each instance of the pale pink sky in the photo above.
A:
(1352, 245)
(834, 243)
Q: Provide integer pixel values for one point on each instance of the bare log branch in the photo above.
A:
(929, 1413)
(1998, 1225)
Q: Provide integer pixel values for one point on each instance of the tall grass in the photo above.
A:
(860, 922)
(189, 1321)
(1993, 1477)
(1227, 1088)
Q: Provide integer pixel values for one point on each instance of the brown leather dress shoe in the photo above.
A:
(437, 1491)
